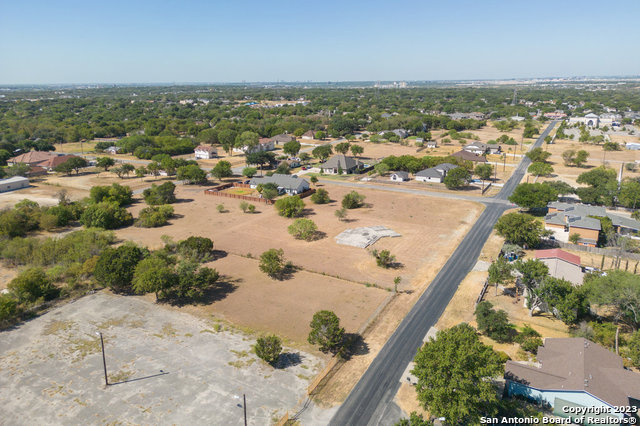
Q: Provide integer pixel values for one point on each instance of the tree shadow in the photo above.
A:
(182, 200)
(288, 359)
(218, 254)
(318, 235)
(219, 291)
(353, 344)
(308, 212)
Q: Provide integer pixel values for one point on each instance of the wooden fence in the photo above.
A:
(600, 250)
(482, 292)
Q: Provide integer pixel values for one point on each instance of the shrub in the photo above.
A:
(321, 196)
(115, 267)
(160, 194)
(353, 200)
(31, 285)
(154, 216)
(196, 248)
(106, 215)
(268, 348)
(121, 195)
(291, 206)
(220, 208)
(8, 308)
(303, 229)
(384, 258)
(494, 324)
(341, 214)
(531, 345)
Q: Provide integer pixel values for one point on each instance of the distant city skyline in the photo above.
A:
(118, 42)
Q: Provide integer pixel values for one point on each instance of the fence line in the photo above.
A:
(600, 250)
(482, 292)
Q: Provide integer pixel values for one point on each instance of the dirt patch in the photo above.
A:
(407, 400)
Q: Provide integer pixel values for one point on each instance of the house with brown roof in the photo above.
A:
(205, 152)
(308, 135)
(469, 156)
(45, 159)
(562, 264)
(574, 372)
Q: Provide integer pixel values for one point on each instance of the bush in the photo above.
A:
(268, 348)
(529, 339)
(8, 308)
(494, 324)
(32, 285)
(160, 194)
(121, 195)
(353, 200)
(321, 196)
(220, 208)
(303, 229)
(106, 215)
(192, 174)
(154, 216)
(291, 206)
(384, 258)
(196, 248)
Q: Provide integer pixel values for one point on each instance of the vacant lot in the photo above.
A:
(427, 231)
(165, 367)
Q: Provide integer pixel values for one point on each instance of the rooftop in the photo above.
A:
(558, 254)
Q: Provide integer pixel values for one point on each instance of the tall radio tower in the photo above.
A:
(515, 97)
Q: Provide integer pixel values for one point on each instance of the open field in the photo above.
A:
(42, 192)
(165, 367)
(427, 232)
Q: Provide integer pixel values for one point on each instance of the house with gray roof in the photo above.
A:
(399, 176)
(434, 174)
(341, 163)
(283, 138)
(288, 184)
(575, 372)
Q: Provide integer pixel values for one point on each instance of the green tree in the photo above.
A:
(620, 291)
(414, 420)
(560, 187)
(353, 200)
(160, 194)
(499, 272)
(341, 214)
(272, 263)
(381, 169)
(568, 303)
(115, 267)
(247, 140)
(4, 156)
(154, 216)
(538, 155)
(633, 349)
(32, 285)
(533, 272)
(454, 374)
(580, 158)
(321, 196)
(222, 170)
(125, 169)
(249, 172)
(326, 331)
(484, 172)
(73, 164)
(343, 147)
(193, 174)
(227, 138)
(303, 229)
(121, 195)
(193, 282)
(153, 275)
(457, 178)
(19, 169)
(494, 324)
(106, 215)
(629, 195)
(105, 162)
(320, 135)
(269, 191)
(574, 238)
(322, 152)
(533, 195)
(8, 308)
(356, 150)
(291, 206)
(268, 348)
(540, 169)
(521, 229)
(291, 148)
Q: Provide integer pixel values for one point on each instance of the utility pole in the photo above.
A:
(104, 360)
(244, 405)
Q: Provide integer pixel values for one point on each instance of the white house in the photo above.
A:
(633, 146)
(308, 135)
(205, 152)
(112, 149)
(434, 174)
(13, 183)
(399, 176)
(431, 144)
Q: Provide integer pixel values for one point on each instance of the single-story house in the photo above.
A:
(291, 162)
(419, 140)
(574, 372)
(434, 174)
(477, 148)
(264, 144)
(283, 138)
(13, 183)
(45, 159)
(431, 144)
(401, 133)
(633, 146)
(562, 264)
(399, 176)
(113, 149)
(205, 152)
(308, 135)
(289, 184)
(469, 156)
(341, 162)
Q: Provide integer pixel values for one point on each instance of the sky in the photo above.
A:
(156, 41)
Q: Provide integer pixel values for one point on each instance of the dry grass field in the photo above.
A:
(427, 231)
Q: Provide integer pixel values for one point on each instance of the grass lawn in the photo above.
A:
(240, 191)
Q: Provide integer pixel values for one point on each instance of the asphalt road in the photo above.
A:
(373, 394)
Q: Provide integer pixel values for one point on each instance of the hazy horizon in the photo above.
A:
(67, 42)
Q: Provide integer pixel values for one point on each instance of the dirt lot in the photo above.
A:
(597, 157)
(42, 191)
(427, 231)
(165, 367)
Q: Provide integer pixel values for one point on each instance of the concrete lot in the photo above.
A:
(167, 367)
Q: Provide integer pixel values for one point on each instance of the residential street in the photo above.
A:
(373, 394)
